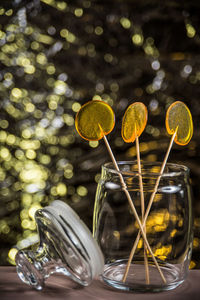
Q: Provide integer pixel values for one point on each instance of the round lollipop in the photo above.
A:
(133, 124)
(94, 120)
(134, 121)
(179, 118)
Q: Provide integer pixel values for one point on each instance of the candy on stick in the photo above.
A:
(133, 124)
(179, 124)
(179, 117)
(94, 120)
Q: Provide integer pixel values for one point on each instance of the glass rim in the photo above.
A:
(181, 169)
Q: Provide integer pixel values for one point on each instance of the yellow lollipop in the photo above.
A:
(179, 118)
(134, 121)
(94, 120)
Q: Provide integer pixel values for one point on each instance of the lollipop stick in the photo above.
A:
(142, 205)
(150, 204)
(133, 207)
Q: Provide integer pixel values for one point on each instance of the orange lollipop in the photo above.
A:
(94, 120)
(179, 118)
(134, 121)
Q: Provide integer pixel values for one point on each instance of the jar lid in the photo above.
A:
(81, 254)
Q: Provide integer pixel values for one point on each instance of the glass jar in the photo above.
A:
(168, 226)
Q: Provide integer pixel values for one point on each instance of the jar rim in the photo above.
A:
(179, 169)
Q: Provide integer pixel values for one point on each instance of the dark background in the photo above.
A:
(57, 55)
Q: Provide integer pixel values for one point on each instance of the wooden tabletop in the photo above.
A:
(60, 287)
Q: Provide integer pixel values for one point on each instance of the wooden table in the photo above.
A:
(60, 287)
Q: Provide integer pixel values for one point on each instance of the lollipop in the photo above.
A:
(94, 120)
(179, 118)
(178, 124)
(133, 124)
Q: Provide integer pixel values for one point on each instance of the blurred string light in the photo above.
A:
(47, 72)
(39, 115)
(190, 30)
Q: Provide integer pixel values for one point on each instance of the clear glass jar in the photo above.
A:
(168, 225)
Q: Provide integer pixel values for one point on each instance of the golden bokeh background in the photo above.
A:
(55, 56)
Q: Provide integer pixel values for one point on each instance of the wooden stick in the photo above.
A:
(142, 207)
(150, 204)
(133, 207)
